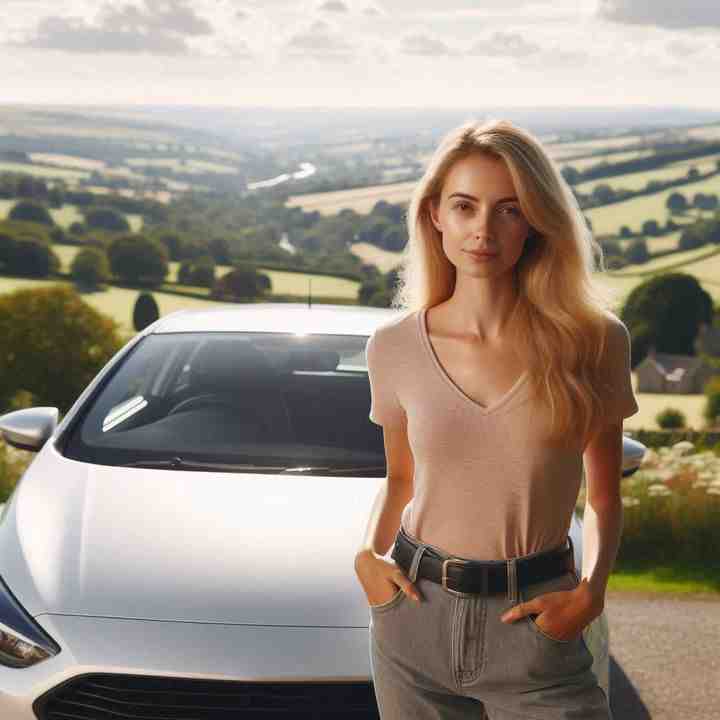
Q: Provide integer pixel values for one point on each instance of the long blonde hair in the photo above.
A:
(561, 311)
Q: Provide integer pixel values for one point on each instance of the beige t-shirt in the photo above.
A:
(487, 484)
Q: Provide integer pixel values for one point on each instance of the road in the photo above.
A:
(664, 656)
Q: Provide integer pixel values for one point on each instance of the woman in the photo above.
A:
(507, 373)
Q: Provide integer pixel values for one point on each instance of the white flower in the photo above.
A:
(628, 501)
(658, 489)
(684, 447)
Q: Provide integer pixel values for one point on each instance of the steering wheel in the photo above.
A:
(205, 399)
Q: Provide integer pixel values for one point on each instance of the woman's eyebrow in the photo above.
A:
(472, 197)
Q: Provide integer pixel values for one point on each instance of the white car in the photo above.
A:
(182, 545)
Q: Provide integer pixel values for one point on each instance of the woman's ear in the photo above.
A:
(433, 214)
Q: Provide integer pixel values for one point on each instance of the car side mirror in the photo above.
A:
(29, 428)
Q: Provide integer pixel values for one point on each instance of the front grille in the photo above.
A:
(104, 696)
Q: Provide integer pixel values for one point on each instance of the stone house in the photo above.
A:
(679, 374)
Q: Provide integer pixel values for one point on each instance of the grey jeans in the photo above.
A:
(451, 657)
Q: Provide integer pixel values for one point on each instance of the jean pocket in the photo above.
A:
(567, 581)
(388, 604)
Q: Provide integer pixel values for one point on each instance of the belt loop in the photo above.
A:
(512, 580)
(415, 564)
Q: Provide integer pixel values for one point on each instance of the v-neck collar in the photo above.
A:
(483, 409)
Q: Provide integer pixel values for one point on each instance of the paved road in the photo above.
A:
(664, 656)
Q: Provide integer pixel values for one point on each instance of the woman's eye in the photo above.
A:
(462, 205)
(513, 210)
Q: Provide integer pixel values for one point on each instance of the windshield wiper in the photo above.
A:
(334, 469)
(177, 463)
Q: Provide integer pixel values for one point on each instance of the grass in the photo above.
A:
(671, 524)
(667, 578)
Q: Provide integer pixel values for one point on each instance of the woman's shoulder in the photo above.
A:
(395, 330)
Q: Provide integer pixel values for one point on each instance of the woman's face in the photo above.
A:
(479, 211)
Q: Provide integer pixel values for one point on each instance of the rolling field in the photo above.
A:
(361, 200)
(655, 244)
(68, 214)
(175, 165)
(638, 180)
(283, 282)
(45, 171)
(615, 157)
(608, 219)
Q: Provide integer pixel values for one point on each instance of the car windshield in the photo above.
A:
(250, 402)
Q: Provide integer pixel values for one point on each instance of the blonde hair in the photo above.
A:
(561, 310)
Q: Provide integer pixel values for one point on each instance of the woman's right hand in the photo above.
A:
(382, 579)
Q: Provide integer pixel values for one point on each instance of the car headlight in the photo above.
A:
(22, 641)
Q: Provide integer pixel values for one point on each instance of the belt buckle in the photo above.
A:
(445, 576)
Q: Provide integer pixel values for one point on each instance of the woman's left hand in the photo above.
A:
(562, 614)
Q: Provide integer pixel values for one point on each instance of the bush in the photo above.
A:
(137, 259)
(90, 267)
(106, 219)
(30, 211)
(671, 418)
(53, 345)
(27, 257)
(145, 312)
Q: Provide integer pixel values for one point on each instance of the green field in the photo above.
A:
(283, 282)
(45, 171)
(68, 161)
(608, 219)
(175, 165)
(584, 163)
(638, 180)
(68, 214)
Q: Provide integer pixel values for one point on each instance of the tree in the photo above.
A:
(30, 211)
(676, 203)
(602, 194)
(220, 250)
(145, 312)
(90, 267)
(104, 218)
(137, 259)
(637, 251)
(666, 311)
(54, 344)
(197, 272)
(27, 257)
(242, 283)
(650, 227)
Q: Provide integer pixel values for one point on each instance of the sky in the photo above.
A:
(362, 53)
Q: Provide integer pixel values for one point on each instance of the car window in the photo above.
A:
(264, 402)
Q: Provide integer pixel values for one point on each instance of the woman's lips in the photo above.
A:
(481, 255)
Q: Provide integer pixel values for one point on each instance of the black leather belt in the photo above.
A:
(483, 577)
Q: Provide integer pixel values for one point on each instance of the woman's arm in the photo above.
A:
(603, 518)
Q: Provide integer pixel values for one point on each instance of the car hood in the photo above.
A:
(160, 544)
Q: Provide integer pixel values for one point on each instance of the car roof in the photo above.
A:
(325, 319)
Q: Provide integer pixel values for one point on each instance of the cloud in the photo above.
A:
(508, 44)
(129, 28)
(334, 6)
(662, 13)
(319, 41)
(73, 35)
(421, 43)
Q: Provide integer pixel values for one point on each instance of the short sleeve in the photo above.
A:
(618, 391)
(385, 409)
